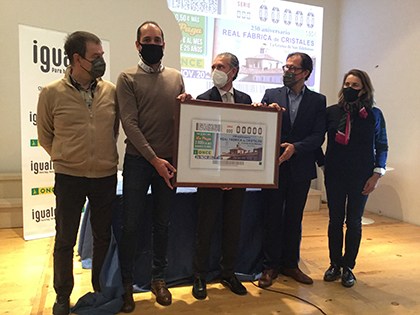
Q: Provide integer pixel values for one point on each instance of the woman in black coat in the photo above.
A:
(354, 162)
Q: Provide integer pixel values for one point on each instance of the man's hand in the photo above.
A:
(371, 184)
(277, 106)
(185, 97)
(273, 105)
(165, 169)
(288, 152)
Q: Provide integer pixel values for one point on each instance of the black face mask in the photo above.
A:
(350, 94)
(151, 53)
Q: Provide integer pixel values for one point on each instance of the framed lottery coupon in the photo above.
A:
(226, 145)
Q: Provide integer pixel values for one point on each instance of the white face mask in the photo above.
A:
(220, 78)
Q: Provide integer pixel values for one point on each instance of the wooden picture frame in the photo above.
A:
(226, 145)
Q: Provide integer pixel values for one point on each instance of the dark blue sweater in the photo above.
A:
(367, 148)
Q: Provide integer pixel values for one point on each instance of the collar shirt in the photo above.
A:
(227, 96)
(87, 94)
(149, 69)
(294, 102)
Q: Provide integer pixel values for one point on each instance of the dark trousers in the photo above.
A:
(345, 202)
(138, 175)
(283, 212)
(210, 202)
(71, 193)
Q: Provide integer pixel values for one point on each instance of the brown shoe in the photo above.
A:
(163, 296)
(296, 274)
(127, 297)
(267, 278)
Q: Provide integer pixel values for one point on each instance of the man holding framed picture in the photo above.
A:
(229, 200)
(303, 129)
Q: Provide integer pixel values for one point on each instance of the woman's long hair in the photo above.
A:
(367, 98)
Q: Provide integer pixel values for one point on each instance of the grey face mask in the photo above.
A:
(98, 67)
(289, 79)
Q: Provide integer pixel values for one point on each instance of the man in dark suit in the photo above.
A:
(225, 69)
(303, 129)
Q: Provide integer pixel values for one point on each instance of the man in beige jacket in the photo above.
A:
(78, 127)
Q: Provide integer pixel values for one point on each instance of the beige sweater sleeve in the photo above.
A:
(45, 123)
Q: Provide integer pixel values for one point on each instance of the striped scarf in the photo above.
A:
(344, 127)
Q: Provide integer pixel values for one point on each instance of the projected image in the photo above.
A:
(261, 33)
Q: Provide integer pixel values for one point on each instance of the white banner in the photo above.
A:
(42, 60)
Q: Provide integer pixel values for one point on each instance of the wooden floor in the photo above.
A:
(387, 272)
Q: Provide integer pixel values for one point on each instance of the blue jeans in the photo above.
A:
(138, 175)
(345, 202)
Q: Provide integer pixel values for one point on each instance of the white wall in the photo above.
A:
(382, 37)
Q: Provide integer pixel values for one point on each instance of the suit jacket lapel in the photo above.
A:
(237, 97)
(215, 95)
(284, 102)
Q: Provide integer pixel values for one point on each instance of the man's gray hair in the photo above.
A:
(233, 61)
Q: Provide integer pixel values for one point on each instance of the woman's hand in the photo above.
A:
(371, 184)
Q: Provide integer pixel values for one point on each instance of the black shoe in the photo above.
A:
(61, 305)
(348, 278)
(128, 300)
(234, 284)
(333, 273)
(199, 290)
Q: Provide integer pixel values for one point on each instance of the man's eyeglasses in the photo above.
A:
(292, 69)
